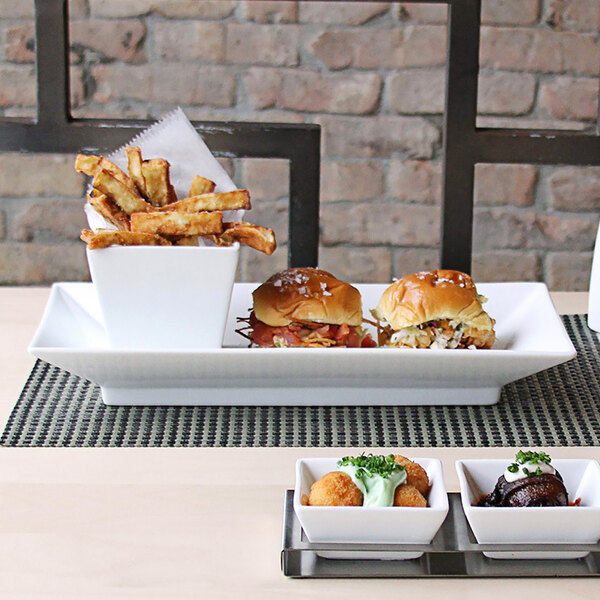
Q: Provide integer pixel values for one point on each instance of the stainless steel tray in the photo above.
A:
(453, 552)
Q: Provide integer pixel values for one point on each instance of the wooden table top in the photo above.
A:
(133, 523)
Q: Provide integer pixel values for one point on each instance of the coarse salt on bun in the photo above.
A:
(434, 296)
(306, 294)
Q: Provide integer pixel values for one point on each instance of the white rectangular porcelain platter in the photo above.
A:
(530, 338)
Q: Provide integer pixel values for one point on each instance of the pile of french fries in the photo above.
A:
(145, 210)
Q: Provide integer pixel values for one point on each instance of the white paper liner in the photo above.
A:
(173, 138)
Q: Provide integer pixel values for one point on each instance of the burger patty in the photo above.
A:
(444, 333)
(306, 334)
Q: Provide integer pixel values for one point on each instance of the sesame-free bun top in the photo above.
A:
(430, 296)
(306, 294)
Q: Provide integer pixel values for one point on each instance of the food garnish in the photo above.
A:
(524, 458)
(370, 465)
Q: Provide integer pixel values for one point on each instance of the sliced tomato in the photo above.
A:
(347, 336)
(368, 342)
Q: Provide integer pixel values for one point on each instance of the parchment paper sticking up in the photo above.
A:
(174, 139)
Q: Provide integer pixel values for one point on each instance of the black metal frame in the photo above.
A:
(464, 145)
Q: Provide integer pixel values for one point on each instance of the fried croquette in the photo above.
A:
(415, 474)
(335, 489)
(408, 495)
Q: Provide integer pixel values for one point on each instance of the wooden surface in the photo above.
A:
(133, 523)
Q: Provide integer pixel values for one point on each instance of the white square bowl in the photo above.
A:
(528, 525)
(369, 525)
(164, 297)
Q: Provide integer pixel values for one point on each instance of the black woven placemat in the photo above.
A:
(557, 407)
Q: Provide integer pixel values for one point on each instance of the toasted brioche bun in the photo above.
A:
(305, 294)
(430, 296)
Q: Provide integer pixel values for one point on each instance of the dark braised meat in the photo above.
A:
(538, 490)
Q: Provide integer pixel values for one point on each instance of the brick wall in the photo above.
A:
(372, 74)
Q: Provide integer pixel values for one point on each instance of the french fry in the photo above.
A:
(156, 177)
(87, 164)
(90, 165)
(110, 211)
(201, 185)
(255, 236)
(134, 166)
(176, 223)
(183, 240)
(221, 201)
(172, 194)
(103, 238)
(145, 209)
(125, 197)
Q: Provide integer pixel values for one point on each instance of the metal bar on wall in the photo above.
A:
(462, 70)
(100, 135)
(304, 205)
(542, 147)
(52, 62)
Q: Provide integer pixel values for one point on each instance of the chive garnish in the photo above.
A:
(369, 465)
(532, 457)
(529, 457)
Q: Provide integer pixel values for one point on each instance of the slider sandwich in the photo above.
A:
(434, 309)
(305, 307)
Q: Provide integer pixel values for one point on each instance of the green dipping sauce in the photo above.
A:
(377, 477)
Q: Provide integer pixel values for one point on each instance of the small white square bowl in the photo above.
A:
(370, 525)
(164, 297)
(529, 525)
